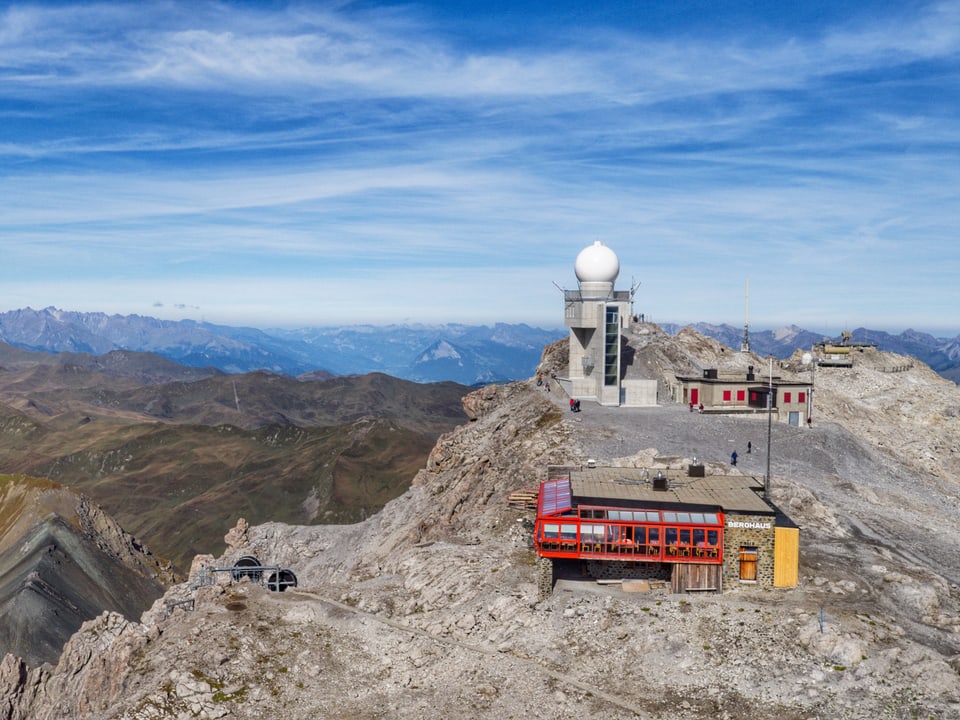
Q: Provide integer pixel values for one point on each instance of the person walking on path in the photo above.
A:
(733, 458)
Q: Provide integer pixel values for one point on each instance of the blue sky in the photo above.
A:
(275, 164)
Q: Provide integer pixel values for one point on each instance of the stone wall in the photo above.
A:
(752, 531)
(623, 570)
(545, 577)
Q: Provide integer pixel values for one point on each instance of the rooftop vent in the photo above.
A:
(660, 482)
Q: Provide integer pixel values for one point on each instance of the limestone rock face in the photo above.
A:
(236, 537)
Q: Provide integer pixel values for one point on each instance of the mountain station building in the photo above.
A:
(745, 393)
(596, 314)
(699, 532)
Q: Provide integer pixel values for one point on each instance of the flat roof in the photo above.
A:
(608, 485)
(759, 384)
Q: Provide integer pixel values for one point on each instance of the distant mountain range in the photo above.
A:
(469, 355)
(465, 354)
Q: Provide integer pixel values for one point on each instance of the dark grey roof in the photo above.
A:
(732, 493)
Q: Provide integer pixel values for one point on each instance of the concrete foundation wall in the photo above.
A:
(640, 393)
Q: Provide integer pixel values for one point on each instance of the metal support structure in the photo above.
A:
(813, 383)
(272, 577)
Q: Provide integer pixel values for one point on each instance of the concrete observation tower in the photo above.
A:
(597, 314)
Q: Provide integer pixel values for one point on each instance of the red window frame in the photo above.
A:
(587, 532)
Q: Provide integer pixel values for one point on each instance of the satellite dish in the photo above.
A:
(807, 357)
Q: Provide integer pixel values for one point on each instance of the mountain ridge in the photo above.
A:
(501, 352)
(63, 562)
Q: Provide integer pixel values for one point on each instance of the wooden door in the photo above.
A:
(748, 563)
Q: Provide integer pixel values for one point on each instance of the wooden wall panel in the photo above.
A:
(786, 557)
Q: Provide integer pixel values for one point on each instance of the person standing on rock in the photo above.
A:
(749, 447)
(733, 458)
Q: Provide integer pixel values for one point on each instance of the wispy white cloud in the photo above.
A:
(153, 145)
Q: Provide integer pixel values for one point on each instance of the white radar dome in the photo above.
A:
(597, 267)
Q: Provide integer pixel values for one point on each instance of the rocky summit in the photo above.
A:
(430, 607)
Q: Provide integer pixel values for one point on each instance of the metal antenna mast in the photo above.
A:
(745, 345)
(634, 284)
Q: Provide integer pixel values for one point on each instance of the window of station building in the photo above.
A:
(801, 397)
(786, 397)
(611, 348)
(741, 395)
(568, 531)
(551, 530)
(592, 533)
(726, 396)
